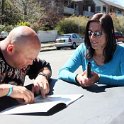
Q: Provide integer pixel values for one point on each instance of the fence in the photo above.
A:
(47, 36)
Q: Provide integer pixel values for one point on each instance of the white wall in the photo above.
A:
(46, 36)
(101, 4)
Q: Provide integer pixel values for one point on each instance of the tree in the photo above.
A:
(2, 11)
(30, 10)
(52, 13)
(41, 13)
(10, 15)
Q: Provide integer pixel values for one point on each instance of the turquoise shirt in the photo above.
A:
(111, 73)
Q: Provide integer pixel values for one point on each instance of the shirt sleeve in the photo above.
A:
(111, 80)
(35, 68)
(67, 71)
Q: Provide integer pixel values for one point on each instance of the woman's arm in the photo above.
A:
(67, 71)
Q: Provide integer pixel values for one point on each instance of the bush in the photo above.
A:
(81, 21)
(76, 24)
(72, 25)
(121, 23)
(2, 27)
(7, 28)
(118, 23)
(67, 26)
(23, 24)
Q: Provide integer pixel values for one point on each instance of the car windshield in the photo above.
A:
(66, 36)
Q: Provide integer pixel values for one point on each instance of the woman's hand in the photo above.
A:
(86, 82)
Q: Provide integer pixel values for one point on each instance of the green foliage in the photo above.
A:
(72, 25)
(37, 15)
(67, 26)
(121, 23)
(11, 15)
(35, 27)
(2, 27)
(23, 24)
(78, 24)
(118, 23)
(7, 28)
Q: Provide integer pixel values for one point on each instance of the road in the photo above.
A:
(57, 58)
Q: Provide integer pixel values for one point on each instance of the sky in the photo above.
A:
(120, 2)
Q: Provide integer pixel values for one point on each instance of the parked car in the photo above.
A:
(3, 35)
(119, 36)
(71, 40)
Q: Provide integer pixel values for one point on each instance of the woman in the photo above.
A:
(100, 48)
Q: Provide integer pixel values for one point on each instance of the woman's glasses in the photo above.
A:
(95, 34)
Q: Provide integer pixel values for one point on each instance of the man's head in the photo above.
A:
(21, 47)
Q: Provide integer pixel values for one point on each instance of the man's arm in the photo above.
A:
(40, 67)
(41, 72)
(4, 89)
(45, 72)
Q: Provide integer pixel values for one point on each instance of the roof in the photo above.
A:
(77, 0)
(112, 4)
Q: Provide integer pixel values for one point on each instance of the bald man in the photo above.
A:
(18, 58)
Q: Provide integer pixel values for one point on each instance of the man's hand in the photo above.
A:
(41, 85)
(22, 94)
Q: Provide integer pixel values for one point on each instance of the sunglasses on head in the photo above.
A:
(95, 34)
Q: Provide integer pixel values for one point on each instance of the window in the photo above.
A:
(104, 9)
(74, 36)
(98, 9)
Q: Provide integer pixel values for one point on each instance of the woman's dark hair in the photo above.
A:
(107, 26)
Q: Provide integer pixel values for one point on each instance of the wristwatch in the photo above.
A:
(41, 73)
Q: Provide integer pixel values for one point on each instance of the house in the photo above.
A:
(73, 7)
(90, 7)
(105, 6)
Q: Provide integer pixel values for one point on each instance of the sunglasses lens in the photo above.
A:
(95, 34)
(90, 33)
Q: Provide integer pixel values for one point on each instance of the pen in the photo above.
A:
(88, 70)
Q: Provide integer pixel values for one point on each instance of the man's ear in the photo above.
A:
(10, 48)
